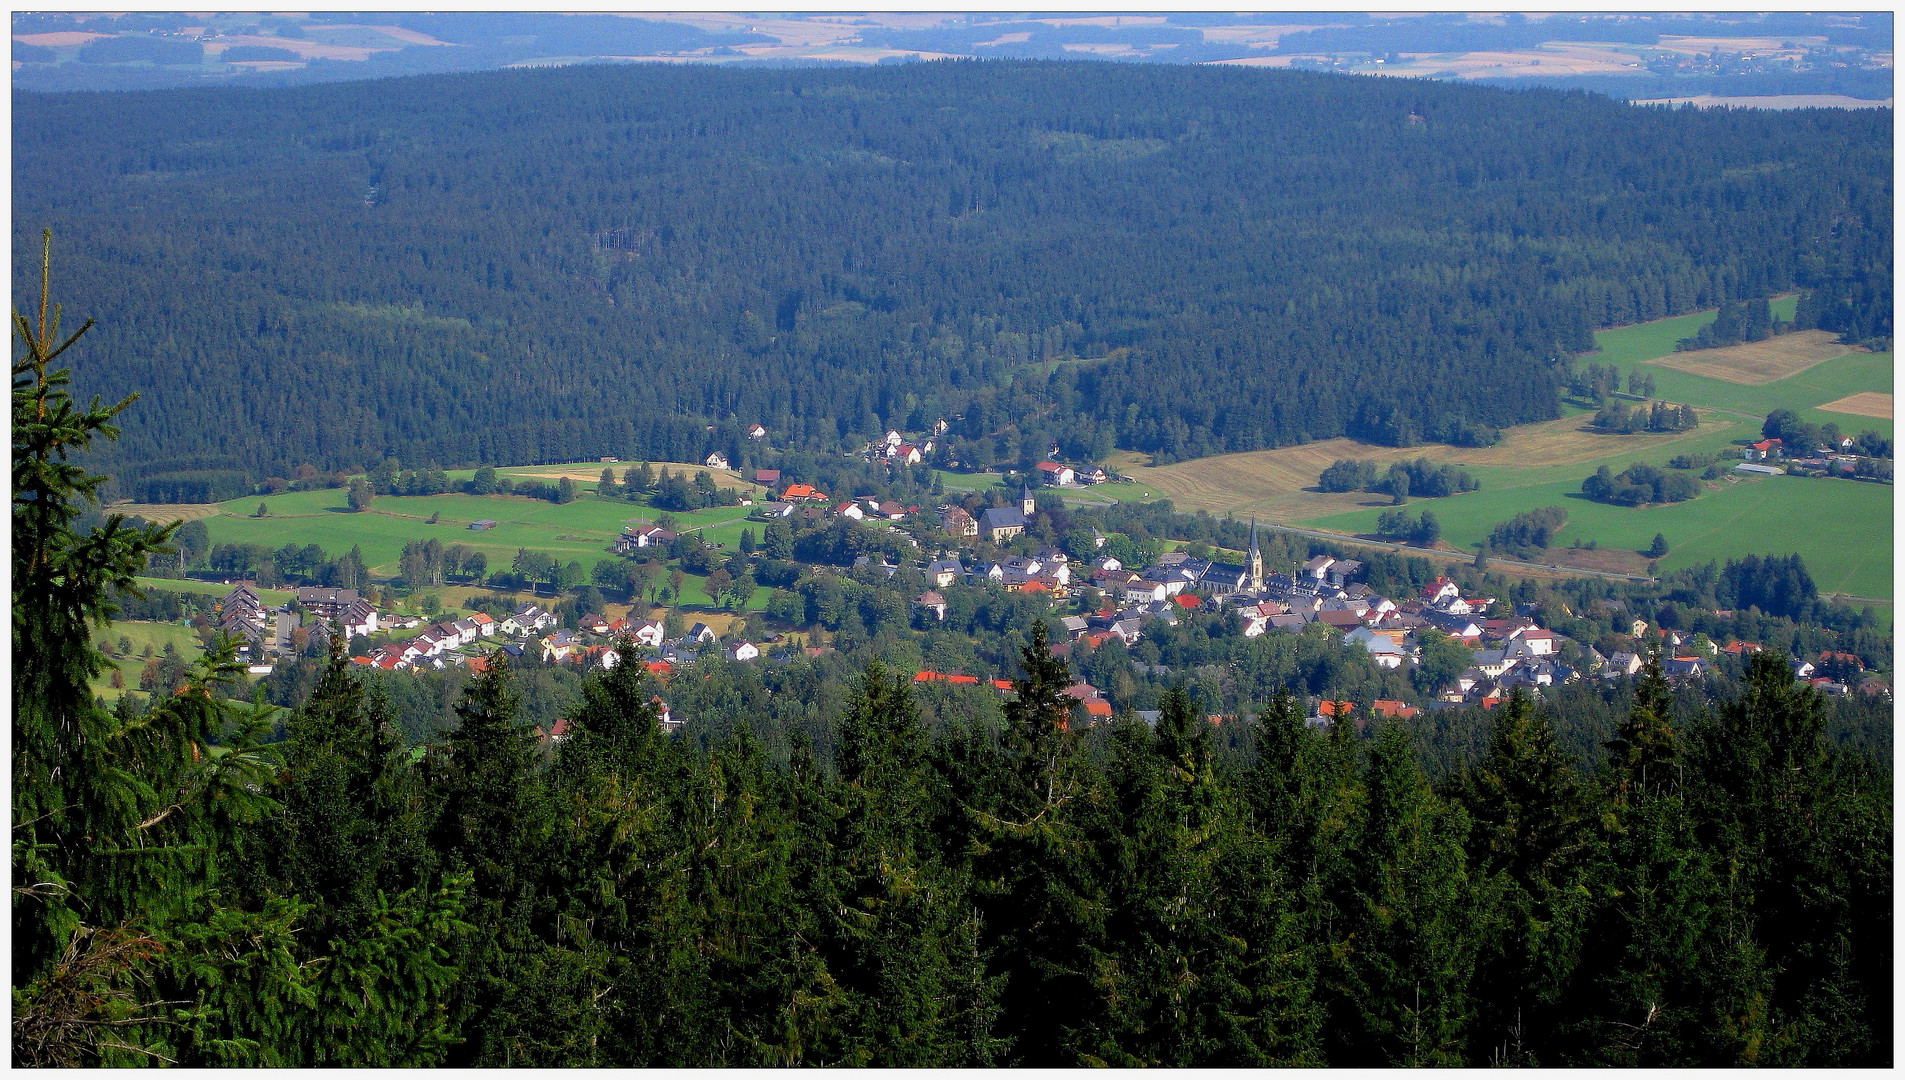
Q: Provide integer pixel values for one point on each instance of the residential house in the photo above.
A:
(1684, 666)
(955, 521)
(943, 572)
(933, 602)
(716, 460)
(1440, 590)
(905, 455)
(1381, 646)
(557, 646)
(741, 651)
(645, 537)
(756, 431)
(649, 632)
(1623, 664)
(767, 477)
(850, 510)
(699, 634)
(528, 619)
(1054, 474)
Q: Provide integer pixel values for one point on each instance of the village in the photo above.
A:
(1096, 600)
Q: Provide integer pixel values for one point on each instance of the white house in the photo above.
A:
(716, 460)
(741, 651)
(757, 432)
(649, 632)
(1054, 473)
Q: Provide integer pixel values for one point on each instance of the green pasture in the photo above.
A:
(1842, 528)
(1629, 346)
(1830, 523)
(208, 588)
(583, 530)
(129, 664)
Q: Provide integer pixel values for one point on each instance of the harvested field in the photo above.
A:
(166, 513)
(1280, 483)
(1759, 362)
(59, 38)
(306, 50)
(1865, 404)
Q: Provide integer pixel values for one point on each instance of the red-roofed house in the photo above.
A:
(1054, 473)
(796, 492)
(1395, 709)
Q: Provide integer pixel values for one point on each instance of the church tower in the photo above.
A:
(1026, 503)
(1254, 583)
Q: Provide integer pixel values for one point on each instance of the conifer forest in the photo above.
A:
(1237, 259)
(840, 862)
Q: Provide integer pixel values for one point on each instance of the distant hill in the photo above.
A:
(1622, 54)
(639, 261)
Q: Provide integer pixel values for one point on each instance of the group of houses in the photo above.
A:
(1834, 459)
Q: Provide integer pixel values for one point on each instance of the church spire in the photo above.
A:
(1255, 583)
(1026, 503)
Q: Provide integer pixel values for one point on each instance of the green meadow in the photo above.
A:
(1842, 528)
(584, 530)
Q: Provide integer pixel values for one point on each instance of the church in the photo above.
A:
(1223, 579)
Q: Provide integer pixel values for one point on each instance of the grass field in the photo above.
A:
(1828, 522)
(583, 530)
(207, 588)
(1842, 528)
(129, 664)
(1279, 485)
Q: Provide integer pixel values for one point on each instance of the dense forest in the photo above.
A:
(558, 264)
(1711, 887)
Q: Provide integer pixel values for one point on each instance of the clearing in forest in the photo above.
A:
(1759, 362)
(1862, 404)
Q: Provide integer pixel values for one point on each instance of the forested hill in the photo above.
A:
(544, 264)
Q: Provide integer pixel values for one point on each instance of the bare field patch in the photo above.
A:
(1759, 362)
(166, 513)
(1280, 483)
(59, 38)
(1868, 403)
(1606, 560)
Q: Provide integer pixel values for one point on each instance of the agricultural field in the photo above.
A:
(1280, 485)
(583, 530)
(1831, 523)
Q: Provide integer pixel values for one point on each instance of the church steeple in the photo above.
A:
(1026, 503)
(1255, 581)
